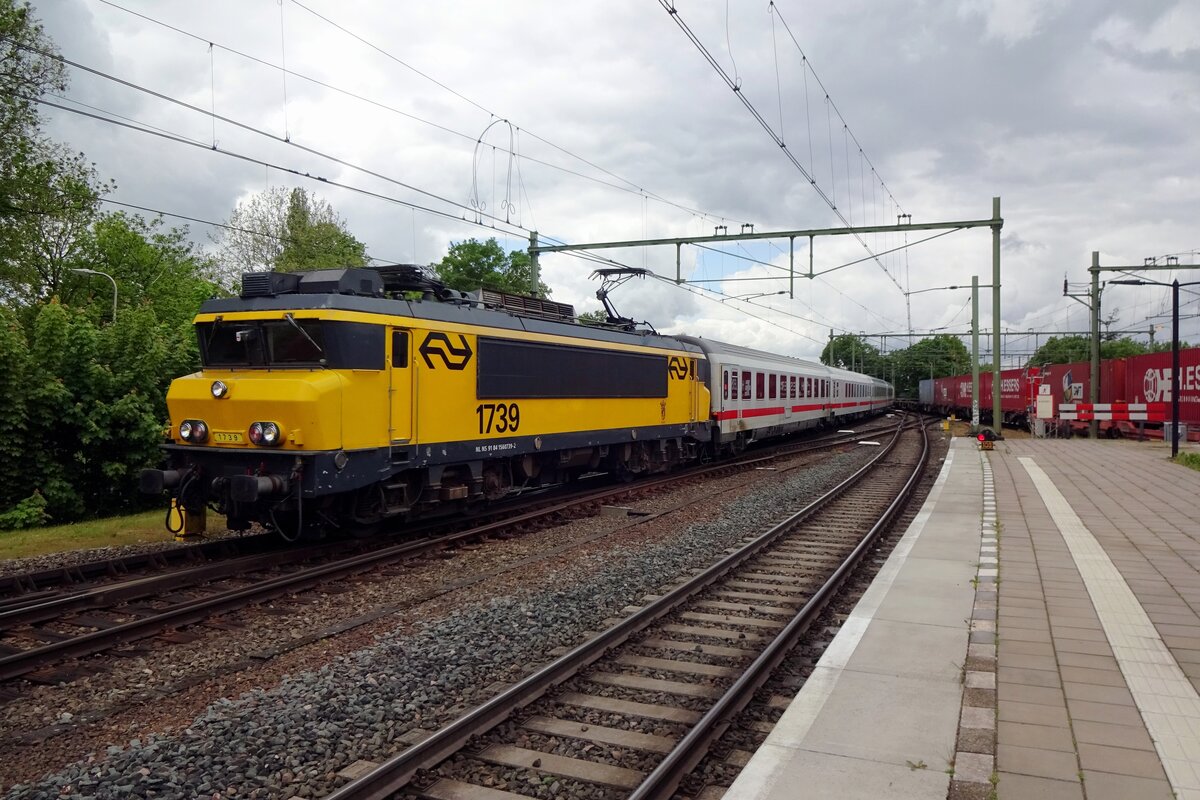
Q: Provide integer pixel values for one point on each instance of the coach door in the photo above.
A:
(400, 388)
(731, 385)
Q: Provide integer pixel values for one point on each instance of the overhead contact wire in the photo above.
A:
(766, 126)
(429, 123)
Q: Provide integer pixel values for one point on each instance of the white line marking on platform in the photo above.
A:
(1166, 698)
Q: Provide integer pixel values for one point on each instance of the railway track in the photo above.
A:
(41, 630)
(633, 710)
(24, 588)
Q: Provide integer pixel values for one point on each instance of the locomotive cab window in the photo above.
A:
(400, 349)
(290, 342)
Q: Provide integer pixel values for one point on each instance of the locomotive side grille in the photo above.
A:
(528, 306)
(268, 284)
(256, 284)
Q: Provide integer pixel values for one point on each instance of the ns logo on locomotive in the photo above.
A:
(332, 400)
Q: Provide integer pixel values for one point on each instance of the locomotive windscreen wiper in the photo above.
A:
(212, 332)
(288, 316)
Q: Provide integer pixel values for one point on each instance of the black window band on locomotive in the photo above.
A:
(514, 370)
(291, 343)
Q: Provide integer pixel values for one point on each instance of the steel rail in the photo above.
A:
(392, 775)
(14, 587)
(18, 664)
(662, 783)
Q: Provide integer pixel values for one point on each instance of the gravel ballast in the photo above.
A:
(293, 739)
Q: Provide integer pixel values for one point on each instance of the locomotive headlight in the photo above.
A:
(219, 389)
(193, 430)
(265, 433)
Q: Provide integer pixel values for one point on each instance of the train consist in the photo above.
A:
(341, 398)
(1136, 380)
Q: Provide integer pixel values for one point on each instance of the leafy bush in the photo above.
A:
(29, 513)
(84, 411)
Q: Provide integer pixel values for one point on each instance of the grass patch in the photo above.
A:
(1189, 460)
(132, 529)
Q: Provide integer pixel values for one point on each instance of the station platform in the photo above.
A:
(1034, 634)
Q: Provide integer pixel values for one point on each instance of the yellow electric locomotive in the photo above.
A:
(332, 398)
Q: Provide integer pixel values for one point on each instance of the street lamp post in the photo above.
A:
(84, 271)
(1175, 376)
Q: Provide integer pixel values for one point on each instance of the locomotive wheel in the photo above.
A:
(366, 513)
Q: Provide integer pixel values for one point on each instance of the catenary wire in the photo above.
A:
(629, 188)
(766, 126)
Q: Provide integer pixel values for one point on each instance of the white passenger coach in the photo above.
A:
(759, 395)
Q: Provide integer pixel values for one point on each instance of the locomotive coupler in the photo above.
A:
(248, 488)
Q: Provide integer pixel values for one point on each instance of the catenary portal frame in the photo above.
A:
(996, 222)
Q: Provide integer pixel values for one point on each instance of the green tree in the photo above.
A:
(15, 482)
(316, 238)
(48, 194)
(1061, 350)
(1123, 347)
(937, 356)
(851, 352)
(90, 405)
(84, 394)
(287, 230)
(28, 69)
(151, 265)
(54, 428)
(594, 318)
(472, 264)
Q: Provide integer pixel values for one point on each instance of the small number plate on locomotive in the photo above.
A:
(227, 437)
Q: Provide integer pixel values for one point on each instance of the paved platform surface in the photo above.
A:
(1035, 634)
(1098, 632)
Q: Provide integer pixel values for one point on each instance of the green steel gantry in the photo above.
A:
(995, 222)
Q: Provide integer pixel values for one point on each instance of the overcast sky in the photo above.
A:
(1081, 116)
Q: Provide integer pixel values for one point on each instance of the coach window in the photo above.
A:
(725, 384)
(735, 379)
(760, 385)
(400, 349)
(771, 389)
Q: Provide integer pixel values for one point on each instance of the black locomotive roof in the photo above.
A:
(464, 314)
